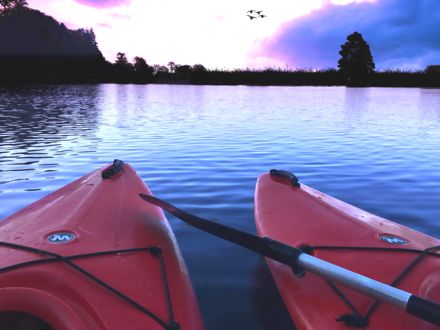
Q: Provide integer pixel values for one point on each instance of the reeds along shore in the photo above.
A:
(330, 77)
(70, 70)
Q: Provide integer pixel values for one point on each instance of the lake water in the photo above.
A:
(203, 147)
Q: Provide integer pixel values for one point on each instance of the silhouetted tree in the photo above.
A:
(10, 4)
(143, 71)
(6, 4)
(199, 74)
(198, 68)
(121, 60)
(432, 69)
(356, 60)
(87, 36)
(123, 69)
(139, 63)
(183, 69)
(172, 67)
(160, 69)
(183, 72)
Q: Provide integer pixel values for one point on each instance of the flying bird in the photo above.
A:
(259, 14)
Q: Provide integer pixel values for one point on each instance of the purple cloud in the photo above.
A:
(102, 3)
(401, 34)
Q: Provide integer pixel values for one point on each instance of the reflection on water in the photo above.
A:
(266, 301)
(202, 148)
(42, 124)
(42, 128)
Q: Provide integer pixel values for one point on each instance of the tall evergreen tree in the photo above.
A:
(356, 60)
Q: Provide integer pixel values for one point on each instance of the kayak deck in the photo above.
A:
(120, 268)
(348, 237)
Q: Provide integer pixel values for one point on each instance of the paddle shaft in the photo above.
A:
(294, 257)
(412, 304)
(354, 280)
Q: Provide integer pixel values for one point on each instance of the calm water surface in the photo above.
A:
(203, 147)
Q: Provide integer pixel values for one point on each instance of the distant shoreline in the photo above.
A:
(267, 77)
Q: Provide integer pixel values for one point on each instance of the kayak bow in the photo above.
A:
(92, 255)
(343, 235)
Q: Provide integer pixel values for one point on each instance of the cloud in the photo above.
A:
(102, 3)
(401, 34)
(120, 16)
(105, 25)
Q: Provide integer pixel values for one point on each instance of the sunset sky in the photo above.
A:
(403, 34)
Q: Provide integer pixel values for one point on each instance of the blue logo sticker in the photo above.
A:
(62, 237)
(390, 239)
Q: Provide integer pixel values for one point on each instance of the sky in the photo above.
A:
(295, 34)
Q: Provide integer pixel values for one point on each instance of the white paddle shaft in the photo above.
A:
(354, 280)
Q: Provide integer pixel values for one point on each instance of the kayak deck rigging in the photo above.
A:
(156, 252)
(355, 318)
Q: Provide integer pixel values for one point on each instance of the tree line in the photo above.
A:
(355, 67)
(140, 71)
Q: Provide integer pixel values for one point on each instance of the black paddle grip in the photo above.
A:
(283, 253)
(425, 309)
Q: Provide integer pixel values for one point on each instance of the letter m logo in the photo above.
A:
(60, 237)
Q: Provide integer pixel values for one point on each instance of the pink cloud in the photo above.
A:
(120, 16)
(102, 3)
(105, 25)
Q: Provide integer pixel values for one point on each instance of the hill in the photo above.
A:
(34, 47)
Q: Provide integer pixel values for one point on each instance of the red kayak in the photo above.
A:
(93, 255)
(344, 235)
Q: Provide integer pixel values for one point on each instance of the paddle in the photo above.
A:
(298, 259)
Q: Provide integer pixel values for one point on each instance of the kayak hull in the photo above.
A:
(95, 215)
(348, 237)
